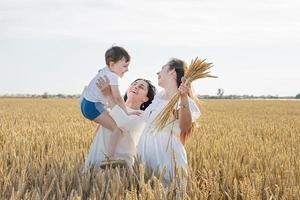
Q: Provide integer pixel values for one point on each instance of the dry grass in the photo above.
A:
(242, 150)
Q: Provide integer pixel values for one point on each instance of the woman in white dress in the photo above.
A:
(159, 149)
(138, 96)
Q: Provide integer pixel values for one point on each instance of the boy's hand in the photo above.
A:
(138, 113)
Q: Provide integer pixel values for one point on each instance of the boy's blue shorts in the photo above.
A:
(91, 110)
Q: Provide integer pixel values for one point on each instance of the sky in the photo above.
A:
(57, 46)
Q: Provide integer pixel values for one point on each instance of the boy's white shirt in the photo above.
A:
(93, 93)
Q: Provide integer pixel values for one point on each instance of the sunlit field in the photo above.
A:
(242, 149)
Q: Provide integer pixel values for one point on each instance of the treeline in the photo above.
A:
(247, 97)
(44, 96)
(74, 96)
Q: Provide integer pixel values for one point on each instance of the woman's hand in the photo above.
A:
(185, 117)
(184, 89)
(103, 85)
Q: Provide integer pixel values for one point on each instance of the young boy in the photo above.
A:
(93, 104)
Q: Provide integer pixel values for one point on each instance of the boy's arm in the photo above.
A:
(116, 95)
(119, 100)
(111, 101)
(103, 85)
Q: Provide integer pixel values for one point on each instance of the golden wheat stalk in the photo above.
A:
(196, 70)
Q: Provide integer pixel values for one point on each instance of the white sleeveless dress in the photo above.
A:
(159, 149)
(127, 147)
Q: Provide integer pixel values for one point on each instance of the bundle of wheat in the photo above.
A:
(196, 70)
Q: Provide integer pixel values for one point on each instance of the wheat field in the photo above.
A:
(242, 149)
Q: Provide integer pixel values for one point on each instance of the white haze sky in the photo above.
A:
(57, 46)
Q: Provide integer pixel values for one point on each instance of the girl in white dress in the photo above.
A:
(138, 96)
(159, 149)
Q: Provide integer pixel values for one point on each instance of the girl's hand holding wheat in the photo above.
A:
(184, 89)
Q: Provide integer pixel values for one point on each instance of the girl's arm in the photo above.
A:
(184, 113)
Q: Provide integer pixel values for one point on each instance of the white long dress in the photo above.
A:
(159, 149)
(127, 147)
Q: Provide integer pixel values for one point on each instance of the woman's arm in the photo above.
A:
(184, 113)
(103, 85)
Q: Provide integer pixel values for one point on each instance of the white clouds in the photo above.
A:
(157, 22)
(221, 30)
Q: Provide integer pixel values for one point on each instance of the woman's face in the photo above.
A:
(138, 90)
(164, 75)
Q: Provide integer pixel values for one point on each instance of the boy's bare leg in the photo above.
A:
(108, 122)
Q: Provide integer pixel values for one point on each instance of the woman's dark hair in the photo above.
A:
(116, 53)
(180, 68)
(151, 93)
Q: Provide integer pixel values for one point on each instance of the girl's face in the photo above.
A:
(164, 75)
(138, 90)
(120, 67)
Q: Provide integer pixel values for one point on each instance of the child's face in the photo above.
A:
(119, 67)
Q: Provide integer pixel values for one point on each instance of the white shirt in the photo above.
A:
(126, 149)
(158, 148)
(158, 105)
(93, 93)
